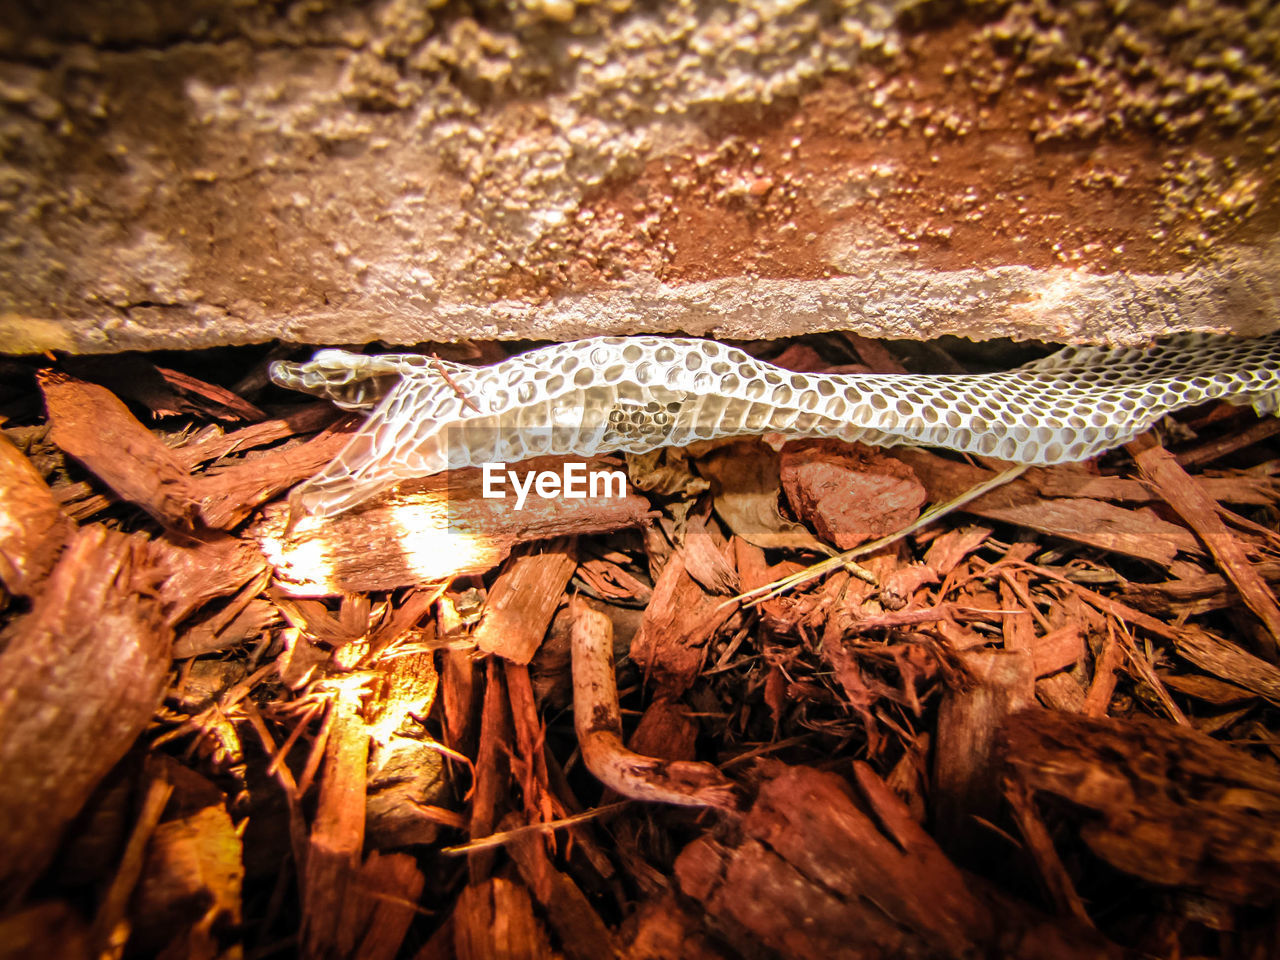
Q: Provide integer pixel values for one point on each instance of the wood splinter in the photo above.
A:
(598, 723)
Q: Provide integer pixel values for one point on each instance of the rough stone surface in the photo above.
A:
(200, 173)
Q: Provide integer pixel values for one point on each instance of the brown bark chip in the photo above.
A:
(530, 760)
(202, 570)
(33, 528)
(428, 530)
(492, 766)
(92, 425)
(192, 878)
(1198, 646)
(814, 872)
(849, 493)
(227, 495)
(494, 920)
(80, 676)
(666, 928)
(389, 886)
(331, 882)
(678, 623)
(523, 600)
(1166, 803)
(579, 929)
(1091, 522)
(997, 684)
(1200, 511)
(308, 419)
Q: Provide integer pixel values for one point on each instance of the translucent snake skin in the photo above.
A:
(640, 393)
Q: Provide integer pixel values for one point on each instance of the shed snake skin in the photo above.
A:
(636, 394)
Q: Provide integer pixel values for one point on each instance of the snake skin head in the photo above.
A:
(353, 381)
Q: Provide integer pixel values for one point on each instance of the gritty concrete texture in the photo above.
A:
(193, 174)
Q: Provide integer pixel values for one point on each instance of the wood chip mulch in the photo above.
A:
(1044, 726)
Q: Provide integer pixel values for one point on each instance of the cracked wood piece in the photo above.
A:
(1091, 522)
(815, 873)
(209, 398)
(965, 784)
(1166, 803)
(1209, 652)
(80, 677)
(754, 572)
(494, 920)
(901, 584)
(704, 551)
(426, 531)
(491, 768)
(330, 877)
(1056, 650)
(192, 881)
(1221, 447)
(307, 419)
(677, 625)
(598, 723)
(352, 906)
(1016, 624)
(206, 569)
(1061, 691)
(848, 596)
(610, 582)
(523, 600)
(1039, 841)
(1070, 481)
(531, 763)
(1051, 651)
(243, 618)
(581, 932)
(33, 528)
(1208, 689)
(951, 546)
(849, 493)
(1226, 660)
(1190, 596)
(391, 885)
(458, 692)
(1182, 492)
(91, 424)
(111, 921)
(665, 730)
(227, 495)
(164, 392)
(1097, 699)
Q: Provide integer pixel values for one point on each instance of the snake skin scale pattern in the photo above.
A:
(639, 393)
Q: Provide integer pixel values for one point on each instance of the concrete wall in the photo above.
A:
(199, 173)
